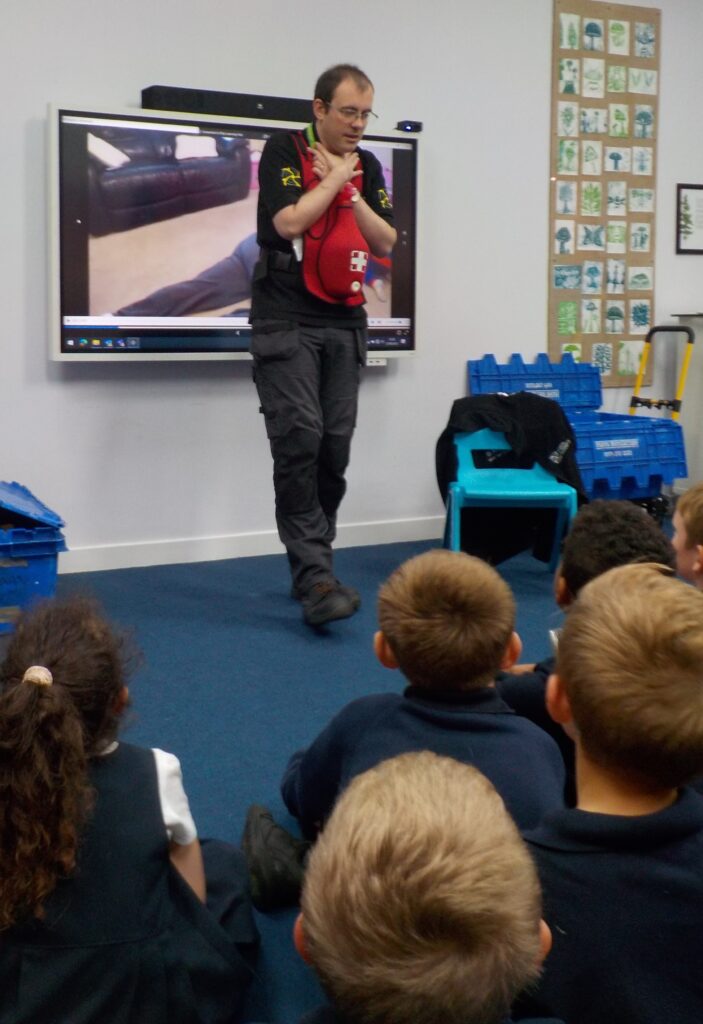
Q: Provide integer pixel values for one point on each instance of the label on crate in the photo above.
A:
(544, 388)
(617, 447)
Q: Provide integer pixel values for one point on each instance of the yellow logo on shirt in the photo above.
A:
(384, 200)
(290, 176)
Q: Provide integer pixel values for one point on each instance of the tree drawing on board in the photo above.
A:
(591, 318)
(566, 196)
(640, 314)
(591, 159)
(563, 237)
(567, 156)
(616, 275)
(643, 123)
(617, 78)
(618, 34)
(569, 77)
(644, 36)
(640, 237)
(567, 118)
(592, 32)
(593, 274)
(602, 357)
(643, 159)
(640, 280)
(615, 157)
(591, 199)
(567, 318)
(614, 315)
(619, 123)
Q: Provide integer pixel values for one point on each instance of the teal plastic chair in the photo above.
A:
(491, 487)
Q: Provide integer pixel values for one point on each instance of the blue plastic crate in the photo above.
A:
(627, 456)
(618, 456)
(573, 385)
(30, 540)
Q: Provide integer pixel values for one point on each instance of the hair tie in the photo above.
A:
(38, 675)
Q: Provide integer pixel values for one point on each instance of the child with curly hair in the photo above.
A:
(102, 877)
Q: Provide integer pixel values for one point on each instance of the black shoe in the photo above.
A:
(351, 593)
(275, 860)
(325, 602)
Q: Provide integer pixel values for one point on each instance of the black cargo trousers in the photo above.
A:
(307, 379)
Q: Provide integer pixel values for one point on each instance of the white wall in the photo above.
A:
(170, 462)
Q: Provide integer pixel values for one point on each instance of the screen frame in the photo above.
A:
(56, 111)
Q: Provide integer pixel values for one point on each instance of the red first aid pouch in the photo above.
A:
(335, 253)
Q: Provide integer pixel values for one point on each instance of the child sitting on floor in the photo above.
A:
(688, 535)
(102, 880)
(604, 535)
(622, 873)
(447, 622)
(421, 903)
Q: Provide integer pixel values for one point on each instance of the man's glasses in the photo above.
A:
(351, 114)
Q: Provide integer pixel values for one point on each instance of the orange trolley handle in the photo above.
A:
(663, 403)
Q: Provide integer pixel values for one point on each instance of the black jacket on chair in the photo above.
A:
(537, 430)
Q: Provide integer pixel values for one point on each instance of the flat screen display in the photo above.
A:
(154, 241)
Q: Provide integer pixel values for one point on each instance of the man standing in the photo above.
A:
(308, 345)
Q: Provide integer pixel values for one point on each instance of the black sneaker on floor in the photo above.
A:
(327, 601)
(275, 860)
(351, 592)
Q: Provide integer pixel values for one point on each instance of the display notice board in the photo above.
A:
(605, 123)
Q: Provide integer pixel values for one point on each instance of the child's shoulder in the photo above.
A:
(371, 704)
(125, 761)
(118, 751)
(642, 836)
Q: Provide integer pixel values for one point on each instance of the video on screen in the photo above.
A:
(157, 236)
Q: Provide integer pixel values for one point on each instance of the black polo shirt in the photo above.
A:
(281, 294)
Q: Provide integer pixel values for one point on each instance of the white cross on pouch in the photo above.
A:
(358, 262)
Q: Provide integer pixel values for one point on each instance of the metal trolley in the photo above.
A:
(673, 404)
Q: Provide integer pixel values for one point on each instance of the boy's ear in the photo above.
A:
(382, 650)
(557, 701)
(299, 940)
(562, 594)
(698, 564)
(545, 940)
(512, 652)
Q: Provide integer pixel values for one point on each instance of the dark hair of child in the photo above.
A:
(606, 534)
(60, 700)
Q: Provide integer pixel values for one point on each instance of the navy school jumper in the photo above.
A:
(623, 897)
(475, 727)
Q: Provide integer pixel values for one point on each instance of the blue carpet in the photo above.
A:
(233, 682)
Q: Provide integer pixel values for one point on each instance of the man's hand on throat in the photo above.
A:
(340, 168)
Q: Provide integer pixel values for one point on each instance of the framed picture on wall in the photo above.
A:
(689, 219)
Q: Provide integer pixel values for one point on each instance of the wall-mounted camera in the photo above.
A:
(409, 126)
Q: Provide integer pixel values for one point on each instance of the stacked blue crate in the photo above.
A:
(618, 456)
(30, 539)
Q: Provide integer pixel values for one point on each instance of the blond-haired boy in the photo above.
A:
(604, 535)
(688, 535)
(622, 873)
(421, 903)
(447, 622)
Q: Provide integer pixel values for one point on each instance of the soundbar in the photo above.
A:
(229, 104)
